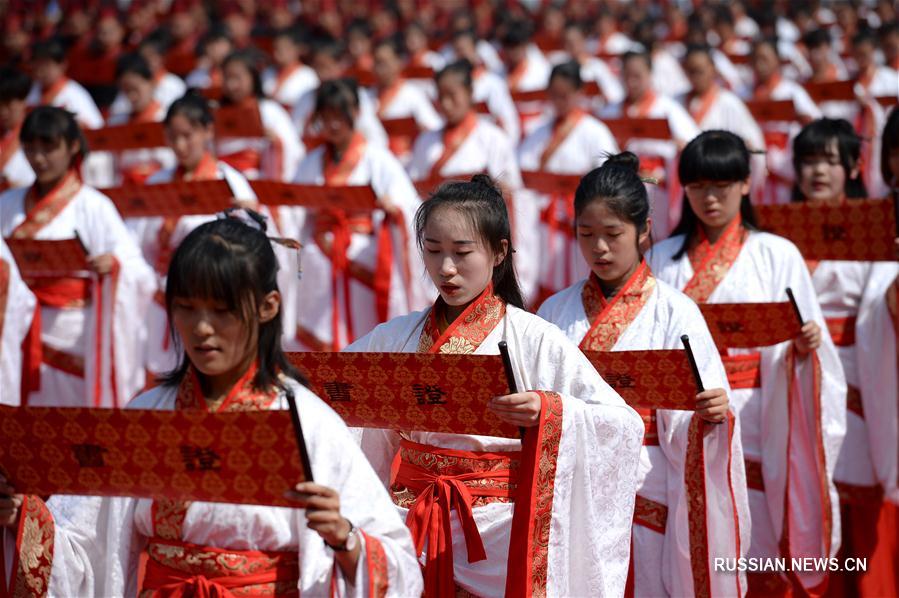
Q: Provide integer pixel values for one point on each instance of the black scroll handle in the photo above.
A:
(298, 434)
(510, 373)
(795, 306)
(685, 339)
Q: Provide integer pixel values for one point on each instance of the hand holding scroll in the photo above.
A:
(520, 409)
(712, 404)
(10, 503)
(809, 338)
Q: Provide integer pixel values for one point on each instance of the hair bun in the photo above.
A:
(626, 160)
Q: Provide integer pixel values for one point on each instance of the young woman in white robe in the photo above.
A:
(17, 305)
(91, 341)
(15, 171)
(657, 157)
(471, 144)
(573, 142)
(275, 156)
(288, 78)
(588, 485)
(356, 267)
(347, 539)
(827, 158)
(621, 306)
(790, 397)
(135, 82)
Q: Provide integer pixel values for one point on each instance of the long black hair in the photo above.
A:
(250, 61)
(712, 156)
(481, 201)
(232, 262)
(192, 106)
(814, 140)
(52, 125)
(618, 185)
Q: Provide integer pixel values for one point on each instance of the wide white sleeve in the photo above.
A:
(425, 115)
(15, 321)
(500, 104)
(805, 105)
(878, 366)
(288, 149)
(683, 127)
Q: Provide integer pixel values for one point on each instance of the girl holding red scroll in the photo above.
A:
(223, 302)
(789, 397)
(826, 156)
(356, 264)
(570, 483)
(691, 477)
(85, 347)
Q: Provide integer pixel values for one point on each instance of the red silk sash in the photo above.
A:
(453, 138)
(842, 330)
(743, 371)
(610, 318)
(33, 557)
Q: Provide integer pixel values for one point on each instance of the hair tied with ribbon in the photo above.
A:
(296, 246)
(258, 221)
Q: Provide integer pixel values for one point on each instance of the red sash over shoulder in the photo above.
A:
(33, 558)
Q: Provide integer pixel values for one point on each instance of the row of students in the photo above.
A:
(715, 169)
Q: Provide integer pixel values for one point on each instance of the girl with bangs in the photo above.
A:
(85, 347)
(592, 438)
(621, 306)
(224, 307)
(789, 398)
(853, 297)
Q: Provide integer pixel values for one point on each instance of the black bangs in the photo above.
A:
(49, 124)
(714, 156)
(817, 138)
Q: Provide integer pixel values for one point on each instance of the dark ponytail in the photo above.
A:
(616, 184)
(232, 262)
(717, 156)
(51, 125)
(481, 201)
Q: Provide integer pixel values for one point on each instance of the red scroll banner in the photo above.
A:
(176, 199)
(745, 325)
(243, 457)
(427, 186)
(649, 379)
(354, 198)
(549, 183)
(410, 391)
(858, 230)
(125, 137)
(37, 258)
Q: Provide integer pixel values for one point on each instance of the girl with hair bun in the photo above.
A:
(357, 271)
(74, 313)
(827, 159)
(621, 306)
(717, 255)
(463, 231)
(572, 142)
(224, 309)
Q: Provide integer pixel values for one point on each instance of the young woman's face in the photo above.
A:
(822, 177)
(610, 244)
(563, 95)
(49, 161)
(12, 112)
(188, 140)
(454, 98)
(457, 260)
(637, 78)
(335, 127)
(716, 203)
(237, 81)
(216, 339)
(138, 90)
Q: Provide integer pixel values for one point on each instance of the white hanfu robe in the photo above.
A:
(15, 171)
(98, 540)
(274, 157)
(791, 433)
(79, 369)
(610, 89)
(659, 157)
(585, 549)
(531, 74)
(339, 305)
(405, 99)
(367, 123)
(286, 87)
(167, 87)
(649, 315)
(17, 305)
(575, 146)
(474, 146)
(490, 88)
(853, 299)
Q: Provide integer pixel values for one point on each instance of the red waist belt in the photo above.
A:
(842, 331)
(650, 427)
(61, 293)
(743, 370)
(444, 480)
(650, 514)
(176, 569)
